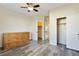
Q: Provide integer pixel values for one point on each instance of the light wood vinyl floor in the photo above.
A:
(39, 49)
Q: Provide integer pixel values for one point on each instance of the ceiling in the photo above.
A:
(43, 9)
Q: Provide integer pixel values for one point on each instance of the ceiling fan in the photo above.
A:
(31, 7)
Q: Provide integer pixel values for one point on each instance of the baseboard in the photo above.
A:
(61, 44)
(68, 47)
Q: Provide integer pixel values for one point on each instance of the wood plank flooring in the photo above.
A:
(36, 49)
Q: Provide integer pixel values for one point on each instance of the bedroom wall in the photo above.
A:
(72, 14)
(11, 21)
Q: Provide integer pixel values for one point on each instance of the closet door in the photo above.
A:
(62, 34)
(61, 31)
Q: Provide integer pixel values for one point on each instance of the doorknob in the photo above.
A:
(77, 34)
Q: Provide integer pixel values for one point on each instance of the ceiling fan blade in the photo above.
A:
(36, 6)
(35, 10)
(23, 7)
(27, 3)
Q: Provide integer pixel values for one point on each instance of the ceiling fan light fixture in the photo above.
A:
(30, 8)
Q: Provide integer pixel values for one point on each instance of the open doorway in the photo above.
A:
(40, 26)
(43, 30)
(61, 30)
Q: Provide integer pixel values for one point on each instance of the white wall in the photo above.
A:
(72, 14)
(11, 21)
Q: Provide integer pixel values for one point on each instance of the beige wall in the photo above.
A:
(11, 21)
(72, 28)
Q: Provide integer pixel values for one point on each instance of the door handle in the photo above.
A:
(77, 34)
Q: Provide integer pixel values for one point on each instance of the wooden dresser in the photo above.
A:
(15, 39)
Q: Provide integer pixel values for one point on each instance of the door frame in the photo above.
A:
(57, 27)
(37, 28)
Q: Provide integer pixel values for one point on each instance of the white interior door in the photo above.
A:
(73, 32)
(62, 32)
